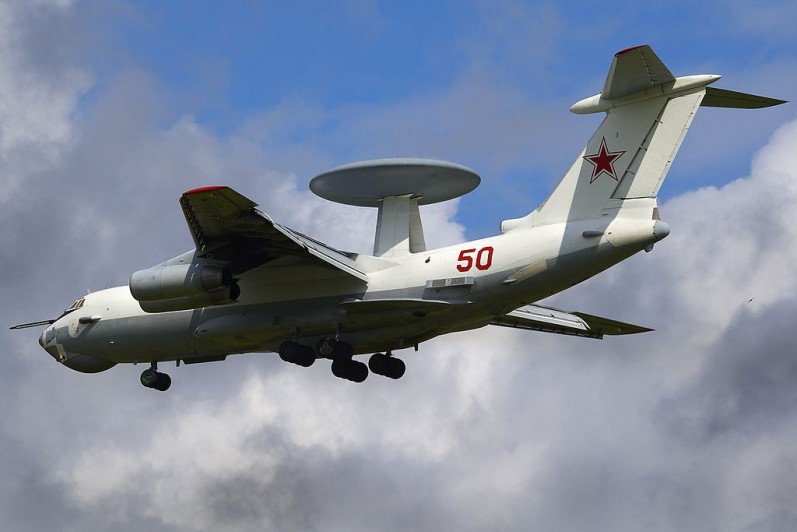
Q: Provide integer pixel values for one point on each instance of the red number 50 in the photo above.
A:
(483, 260)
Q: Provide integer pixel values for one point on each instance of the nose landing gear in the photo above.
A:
(152, 378)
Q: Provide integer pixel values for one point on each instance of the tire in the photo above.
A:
(306, 356)
(149, 378)
(396, 368)
(326, 347)
(339, 368)
(286, 351)
(358, 371)
(164, 381)
(377, 363)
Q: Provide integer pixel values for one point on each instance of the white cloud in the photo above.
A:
(490, 426)
(687, 428)
(36, 104)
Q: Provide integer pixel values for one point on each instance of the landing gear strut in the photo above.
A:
(152, 378)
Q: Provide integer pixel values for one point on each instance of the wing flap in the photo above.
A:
(374, 313)
(333, 257)
(425, 306)
(545, 319)
(610, 327)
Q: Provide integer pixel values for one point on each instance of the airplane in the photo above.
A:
(254, 285)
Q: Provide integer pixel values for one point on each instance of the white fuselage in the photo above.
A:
(448, 289)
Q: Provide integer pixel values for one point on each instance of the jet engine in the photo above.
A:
(171, 287)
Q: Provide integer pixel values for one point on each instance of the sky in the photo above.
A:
(110, 110)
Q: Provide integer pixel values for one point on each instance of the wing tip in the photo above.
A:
(203, 189)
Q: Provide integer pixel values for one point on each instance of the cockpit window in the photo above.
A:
(76, 305)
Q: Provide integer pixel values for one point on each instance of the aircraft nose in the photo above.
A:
(46, 338)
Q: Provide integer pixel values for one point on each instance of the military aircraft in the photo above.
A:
(254, 285)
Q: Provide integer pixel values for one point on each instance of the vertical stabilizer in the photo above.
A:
(622, 167)
(648, 112)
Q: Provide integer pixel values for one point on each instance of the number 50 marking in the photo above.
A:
(483, 259)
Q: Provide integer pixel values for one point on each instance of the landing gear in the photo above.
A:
(152, 378)
(349, 369)
(387, 366)
(341, 353)
(343, 366)
(333, 348)
(296, 353)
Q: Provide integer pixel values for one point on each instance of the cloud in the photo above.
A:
(689, 428)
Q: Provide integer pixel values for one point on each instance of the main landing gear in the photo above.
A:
(344, 367)
(386, 365)
(152, 378)
(341, 354)
(296, 353)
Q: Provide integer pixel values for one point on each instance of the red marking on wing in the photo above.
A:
(203, 189)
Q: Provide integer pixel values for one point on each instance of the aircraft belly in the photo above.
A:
(139, 338)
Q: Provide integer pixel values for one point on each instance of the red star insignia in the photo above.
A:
(603, 161)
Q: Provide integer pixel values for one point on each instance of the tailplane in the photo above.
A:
(648, 112)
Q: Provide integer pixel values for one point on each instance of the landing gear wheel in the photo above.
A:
(397, 368)
(339, 368)
(387, 366)
(350, 370)
(164, 381)
(325, 347)
(333, 348)
(149, 377)
(358, 371)
(296, 353)
(155, 380)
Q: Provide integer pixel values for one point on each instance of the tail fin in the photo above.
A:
(648, 112)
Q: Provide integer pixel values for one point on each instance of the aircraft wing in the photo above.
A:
(544, 319)
(228, 226)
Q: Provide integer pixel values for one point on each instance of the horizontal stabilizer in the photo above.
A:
(610, 327)
(544, 319)
(633, 70)
(736, 100)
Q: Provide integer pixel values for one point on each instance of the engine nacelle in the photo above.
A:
(183, 286)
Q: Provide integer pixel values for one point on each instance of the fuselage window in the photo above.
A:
(76, 305)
